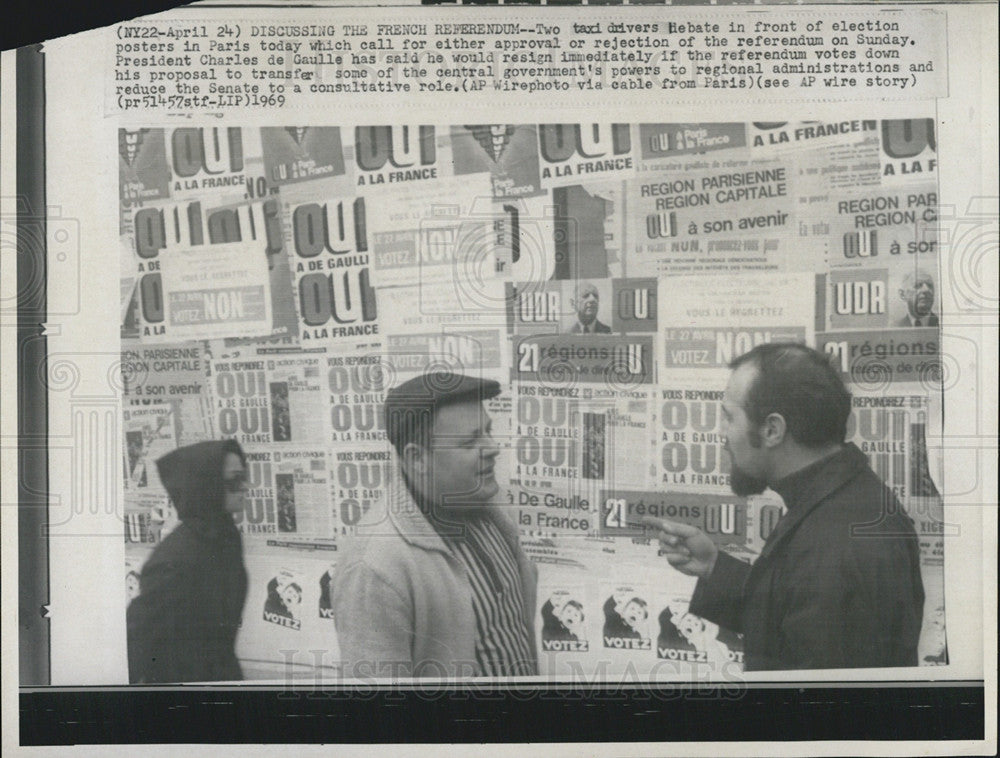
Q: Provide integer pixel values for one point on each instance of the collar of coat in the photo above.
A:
(414, 527)
(810, 486)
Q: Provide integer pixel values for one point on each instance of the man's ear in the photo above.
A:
(414, 459)
(773, 430)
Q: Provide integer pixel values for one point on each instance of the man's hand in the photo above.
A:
(688, 549)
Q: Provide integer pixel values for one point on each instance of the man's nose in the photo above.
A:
(490, 446)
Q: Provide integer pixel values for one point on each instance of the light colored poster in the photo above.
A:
(212, 289)
(662, 145)
(626, 625)
(436, 233)
(175, 374)
(707, 321)
(548, 490)
(728, 215)
(449, 304)
(269, 397)
(563, 619)
(191, 228)
(359, 477)
(295, 386)
(287, 618)
(283, 604)
(286, 501)
(684, 638)
(570, 153)
(908, 152)
(355, 384)
(218, 160)
(399, 157)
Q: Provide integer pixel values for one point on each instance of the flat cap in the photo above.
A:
(440, 388)
(425, 393)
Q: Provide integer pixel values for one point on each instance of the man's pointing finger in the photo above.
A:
(670, 527)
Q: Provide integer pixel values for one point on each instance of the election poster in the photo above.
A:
(689, 639)
(425, 310)
(873, 358)
(438, 232)
(359, 478)
(149, 517)
(571, 153)
(286, 501)
(222, 160)
(569, 444)
(838, 155)
(355, 389)
(175, 374)
(327, 237)
(399, 157)
(283, 604)
(324, 607)
(149, 432)
(907, 152)
(509, 152)
(661, 144)
(268, 398)
(564, 627)
(880, 229)
(203, 288)
(288, 609)
(717, 219)
(706, 322)
(626, 624)
(359, 450)
(293, 154)
(201, 265)
(142, 171)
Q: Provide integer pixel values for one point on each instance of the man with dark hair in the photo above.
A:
(435, 583)
(837, 584)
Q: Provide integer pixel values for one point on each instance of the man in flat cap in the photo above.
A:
(435, 583)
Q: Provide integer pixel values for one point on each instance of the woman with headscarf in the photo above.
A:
(182, 626)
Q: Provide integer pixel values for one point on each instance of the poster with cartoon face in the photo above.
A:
(564, 622)
(686, 637)
(626, 619)
(283, 604)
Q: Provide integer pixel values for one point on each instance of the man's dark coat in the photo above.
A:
(837, 584)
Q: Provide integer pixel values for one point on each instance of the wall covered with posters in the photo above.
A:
(276, 281)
